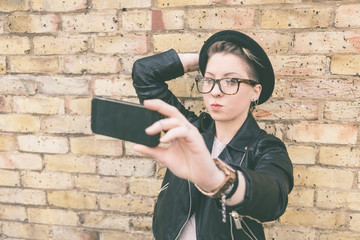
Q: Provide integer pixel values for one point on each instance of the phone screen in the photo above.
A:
(123, 120)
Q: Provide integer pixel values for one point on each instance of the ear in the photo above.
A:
(257, 90)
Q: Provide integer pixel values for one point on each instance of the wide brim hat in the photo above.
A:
(265, 70)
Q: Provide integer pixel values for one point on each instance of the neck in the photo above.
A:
(226, 130)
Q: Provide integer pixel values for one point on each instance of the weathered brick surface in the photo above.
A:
(60, 181)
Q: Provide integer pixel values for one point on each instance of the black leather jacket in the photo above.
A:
(261, 157)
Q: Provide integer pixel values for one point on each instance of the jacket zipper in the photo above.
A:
(238, 219)
(188, 217)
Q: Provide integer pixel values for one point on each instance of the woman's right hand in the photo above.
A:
(187, 155)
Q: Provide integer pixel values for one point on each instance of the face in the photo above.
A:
(224, 108)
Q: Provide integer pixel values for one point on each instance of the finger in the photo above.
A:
(153, 152)
(163, 125)
(175, 133)
(163, 108)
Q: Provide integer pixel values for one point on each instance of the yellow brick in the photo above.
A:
(342, 111)
(47, 180)
(355, 222)
(10, 212)
(11, 5)
(271, 41)
(39, 105)
(185, 42)
(286, 233)
(33, 23)
(347, 15)
(319, 88)
(58, 6)
(323, 133)
(14, 45)
(26, 230)
(142, 223)
(323, 177)
(314, 219)
(75, 200)
(313, 65)
(34, 64)
(70, 163)
(184, 87)
(274, 110)
(345, 64)
(96, 146)
(9, 178)
(43, 144)
(126, 167)
(79, 106)
(91, 64)
(17, 85)
(66, 233)
(90, 22)
(66, 124)
(340, 156)
(59, 85)
(222, 18)
(244, 2)
(301, 197)
(19, 123)
(104, 220)
(296, 18)
(52, 216)
(324, 42)
(145, 186)
(117, 4)
(196, 106)
(7, 142)
(102, 184)
(333, 200)
(127, 204)
(113, 86)
(46, 45)
(339, 235)
(16, 160)
(302, 154)
(178, 3)
(22, 196)
(136, 20)
(127, 44)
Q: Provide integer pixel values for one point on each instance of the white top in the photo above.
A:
(189, 231)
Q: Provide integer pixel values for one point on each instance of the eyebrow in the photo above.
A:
(227, 74)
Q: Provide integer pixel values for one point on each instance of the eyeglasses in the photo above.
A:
(228, 86)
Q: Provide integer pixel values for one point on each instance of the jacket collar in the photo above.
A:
(246, 135)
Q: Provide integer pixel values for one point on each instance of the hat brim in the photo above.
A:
(266, 72)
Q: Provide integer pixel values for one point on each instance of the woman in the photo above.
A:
(225, 176)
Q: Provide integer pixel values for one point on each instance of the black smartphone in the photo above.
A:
(123, 120)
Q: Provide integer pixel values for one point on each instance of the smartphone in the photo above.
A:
(123, 120)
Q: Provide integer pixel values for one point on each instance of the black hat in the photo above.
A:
(266, 72)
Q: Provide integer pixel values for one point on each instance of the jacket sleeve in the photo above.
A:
(269, 183)
(150, 74)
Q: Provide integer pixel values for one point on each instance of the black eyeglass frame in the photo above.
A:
(214, 81)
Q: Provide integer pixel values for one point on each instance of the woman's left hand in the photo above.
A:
(187, 155)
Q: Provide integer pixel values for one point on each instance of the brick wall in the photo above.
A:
(59, 181)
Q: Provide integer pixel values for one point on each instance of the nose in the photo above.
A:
(216, 90)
